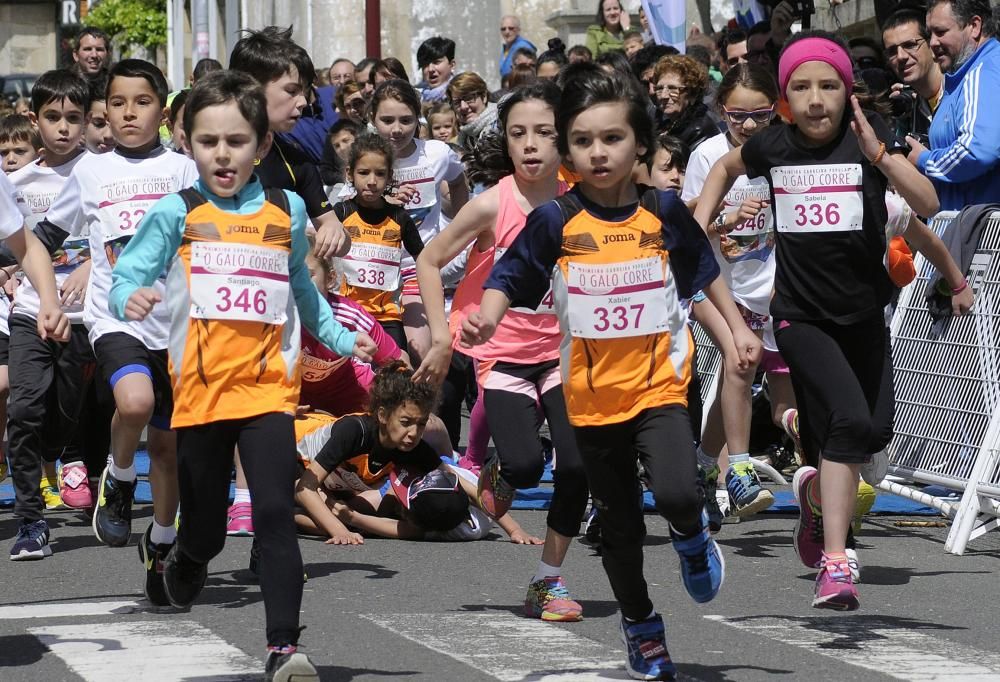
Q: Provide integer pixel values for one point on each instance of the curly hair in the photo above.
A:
(394, 386)
(693, 74)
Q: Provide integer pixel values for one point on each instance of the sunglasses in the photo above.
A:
(739, 117)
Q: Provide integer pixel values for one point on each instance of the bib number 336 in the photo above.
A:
(239, 282)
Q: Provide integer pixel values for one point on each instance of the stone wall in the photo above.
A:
(27, 39)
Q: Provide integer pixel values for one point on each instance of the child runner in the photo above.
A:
(604, 248)
(828, 173)
(49, 380)
(669, 163)
(379, 233)
(97, 136)
(32, 541)
(237, 276)
(107, 196)
(743, 241)
(512, 387)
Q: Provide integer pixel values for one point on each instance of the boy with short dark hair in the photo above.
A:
(19, 142)
(436, 60)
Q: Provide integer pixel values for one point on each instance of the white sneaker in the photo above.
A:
(875, 469)
(722, 499)
(852, 563)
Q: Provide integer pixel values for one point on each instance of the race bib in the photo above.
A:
(121, 219)
(617, 300)
(238, 282)
(422, 179)
(546, 307)
(372, 266)
(818, 198)
(752, 239)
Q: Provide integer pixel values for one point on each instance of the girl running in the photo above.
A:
(514, 383)
(604, 249)
(827, 173)
(379, 232)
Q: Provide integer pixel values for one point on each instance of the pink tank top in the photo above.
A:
(523, 336)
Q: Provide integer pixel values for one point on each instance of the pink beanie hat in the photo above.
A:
(815, 50)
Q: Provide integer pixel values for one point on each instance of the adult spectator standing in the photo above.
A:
(608, 30)
(510, 33)
(732, 49)
(908, 53)
(92, 52)
(341, 71)
(964, 154)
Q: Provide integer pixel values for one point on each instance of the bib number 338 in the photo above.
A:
(617, 300)
(239, 282)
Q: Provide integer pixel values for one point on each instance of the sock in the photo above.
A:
(706, 461)
(651, 614)
(737, 459)
(162, 535)
(242, 495)
(546, 571)
(126, 475)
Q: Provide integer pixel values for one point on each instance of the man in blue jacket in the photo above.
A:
(964, 159)
(510, 32)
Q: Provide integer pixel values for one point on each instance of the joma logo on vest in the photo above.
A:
(372, 232)
(243, 229)
(627, 237)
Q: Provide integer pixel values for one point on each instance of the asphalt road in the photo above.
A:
(393, 610)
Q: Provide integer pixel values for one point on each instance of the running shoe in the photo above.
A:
(853, 564)
(32, 542)
(722, 500)
(646, 652)
(50, 493)
(285, 664)
(808, 538)
(113, 515)
(710, 484)
(183, 577)
(152, 557)
(74, 487)
(875, 470)
(495, 494)
(703, 569)
(745, 492)
(549, 599)
(862, 505)
(790, 424)
(592, 527)
(834, 587)
(239, 520)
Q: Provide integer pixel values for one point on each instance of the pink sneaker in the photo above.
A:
(495, 494)
(239, 520)
(834, 586)
(74, 487)
(808, 538)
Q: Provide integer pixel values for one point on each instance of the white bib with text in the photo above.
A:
(617, 300)
(242, 282)
(821, 198)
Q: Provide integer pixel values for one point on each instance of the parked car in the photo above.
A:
(17, 85)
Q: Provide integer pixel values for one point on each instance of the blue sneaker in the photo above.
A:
(703, 569)
(646, 646)
(32, 542)
(745, 492)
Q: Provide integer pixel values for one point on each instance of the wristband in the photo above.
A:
(720, 225)
(963, 287)
(881, 153)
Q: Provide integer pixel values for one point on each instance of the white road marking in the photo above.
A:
(878, 644)
(508, 647)
(71, 609)
(147, 650)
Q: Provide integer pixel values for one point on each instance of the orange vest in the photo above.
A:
(371, 268)
(628, 347)
(237, 357)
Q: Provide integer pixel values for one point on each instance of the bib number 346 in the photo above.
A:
(241, 282)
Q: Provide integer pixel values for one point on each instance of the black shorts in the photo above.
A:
(119, 354)
(394, 328)
(4, 349)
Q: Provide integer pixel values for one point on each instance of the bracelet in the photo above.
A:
(719, 225)
(881, 153)
(965, 285)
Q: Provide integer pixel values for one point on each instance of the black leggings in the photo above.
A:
(453, 392)
(204, 469)
(513, 417)
(842, 377)
(661, 439)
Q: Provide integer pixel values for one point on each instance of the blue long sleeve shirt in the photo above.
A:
(964, 156)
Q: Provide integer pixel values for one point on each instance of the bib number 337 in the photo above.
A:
(239, 282)
(617, 300)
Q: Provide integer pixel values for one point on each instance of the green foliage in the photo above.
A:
(131, 22)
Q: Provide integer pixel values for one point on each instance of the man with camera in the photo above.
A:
(908, 52)
(962, 157)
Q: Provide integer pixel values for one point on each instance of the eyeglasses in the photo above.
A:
(468, 99)
(738, 117)
(670, 89)
(910, 47)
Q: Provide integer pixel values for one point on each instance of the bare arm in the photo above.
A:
(307, 495)
(37, 265)
(480, 326)
(458, 196)
(921, 238)
(718, 182)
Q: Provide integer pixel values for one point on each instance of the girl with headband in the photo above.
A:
(828, 172)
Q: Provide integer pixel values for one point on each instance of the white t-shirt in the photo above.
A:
(106, 196)
(36, 187)
(746, 256)
(11, 220)
(431, 163)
